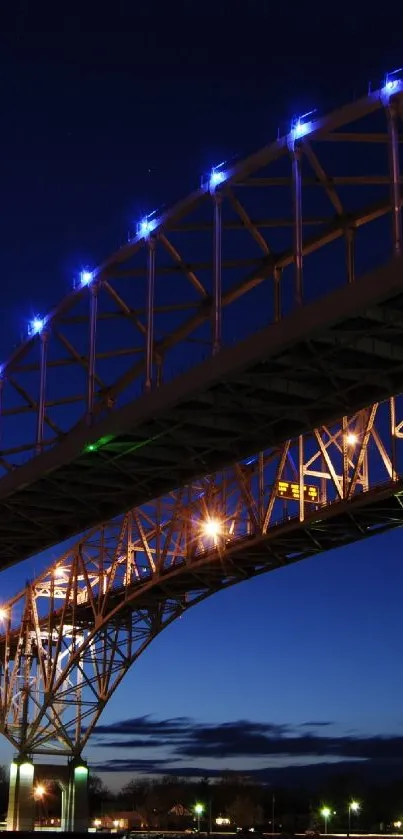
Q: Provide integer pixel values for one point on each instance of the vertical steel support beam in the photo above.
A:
(129, 557)
(392, 406)
(217, 291)
(344, 432)
(92, 353)
(395, 177)
(158, 531)
(323, 467)
(277, 274)
(350, 260)
(260, 490)
(151, 243)
(2, 382)
(40, 416)
(297, 201)
(301, 477)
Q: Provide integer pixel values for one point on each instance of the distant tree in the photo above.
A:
(97, 792)
(129, 794)
(244, 812)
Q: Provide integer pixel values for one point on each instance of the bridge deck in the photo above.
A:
(331, 357)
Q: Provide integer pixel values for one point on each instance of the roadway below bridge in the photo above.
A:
(328, 359)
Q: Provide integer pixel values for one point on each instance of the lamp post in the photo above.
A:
(353, 807)
(198, 810)
(326, 813)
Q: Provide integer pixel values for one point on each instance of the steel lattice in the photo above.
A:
(81, 441)
(72, 634)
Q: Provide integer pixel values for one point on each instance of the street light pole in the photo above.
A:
(273, 804)
(198, 810)
(325, 812)
(353, 807)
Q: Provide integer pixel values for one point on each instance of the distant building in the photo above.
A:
(180, 810)
(122, 820)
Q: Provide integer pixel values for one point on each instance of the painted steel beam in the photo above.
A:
(71, 635)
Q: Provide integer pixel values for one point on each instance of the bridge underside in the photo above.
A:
(60, 664)
(328, 359)
(367, 514)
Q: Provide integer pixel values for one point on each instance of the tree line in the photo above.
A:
(244, 801)
(248, 803)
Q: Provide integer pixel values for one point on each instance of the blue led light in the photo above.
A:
(390, 83)
(301, 126)
(217, 176)
(36, 325)
(86, 277)
(146, 226)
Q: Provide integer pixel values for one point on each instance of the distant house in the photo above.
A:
(121, 820)
(180, 817)
(180, 810)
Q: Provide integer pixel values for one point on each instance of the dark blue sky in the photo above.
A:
(105, 117)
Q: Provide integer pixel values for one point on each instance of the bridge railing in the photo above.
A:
(236, 255)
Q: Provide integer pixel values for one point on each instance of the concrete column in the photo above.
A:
(21, 806)
(78, 796)
(65, 814)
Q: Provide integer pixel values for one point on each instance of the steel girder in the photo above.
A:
(71, 635)
(96, 414)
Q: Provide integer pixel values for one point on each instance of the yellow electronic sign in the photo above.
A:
(290, 490)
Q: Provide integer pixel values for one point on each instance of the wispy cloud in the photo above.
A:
(315, 724)
(181, 739)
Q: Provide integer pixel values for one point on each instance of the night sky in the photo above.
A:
(103, 118)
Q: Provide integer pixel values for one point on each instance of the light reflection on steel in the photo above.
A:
(68, 639)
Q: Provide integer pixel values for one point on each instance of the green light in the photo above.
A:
(103, 441)
(26, 770)
(199, 809)
(326, 812)
(81, 770)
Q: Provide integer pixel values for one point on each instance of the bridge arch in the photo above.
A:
(75, 419)
(73, 633)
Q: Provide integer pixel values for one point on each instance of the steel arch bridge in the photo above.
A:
(96, 415)
(72, 634)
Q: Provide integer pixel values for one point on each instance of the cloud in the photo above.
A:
(146, 726)
(182, 739)
(132, 743)
(145, 767)
(314, 724)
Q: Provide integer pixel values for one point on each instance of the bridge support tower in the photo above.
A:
(75, 797)
(73, 782)
(21, 809)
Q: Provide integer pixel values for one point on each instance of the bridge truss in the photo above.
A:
(239, 254)
(72, 634)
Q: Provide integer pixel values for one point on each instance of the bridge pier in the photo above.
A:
(75, 797)
(72, 780)
(21, 810)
